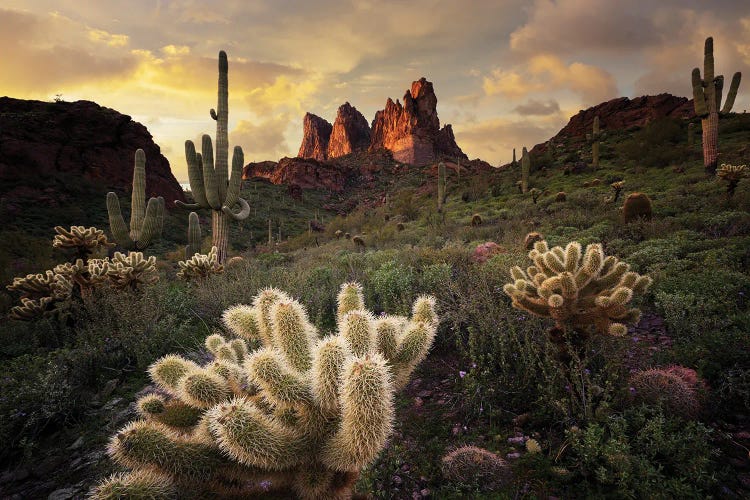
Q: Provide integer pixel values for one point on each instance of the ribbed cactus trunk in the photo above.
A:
(220, 234)
(710, 126)
(525, 168)
(691, 134)
(441, 187)
(194, 236)
(707, 94)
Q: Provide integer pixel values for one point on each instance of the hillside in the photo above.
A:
(492, 378)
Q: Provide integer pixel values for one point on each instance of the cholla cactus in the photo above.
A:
(732, 174)
(535, 194)
(199, 266)
(531, 238)
(145, 220)
(86, 275)
(301, 415)
(359, 241)
(40, 294)
(584, 294)
(84, 240)
(617, 187)
(132, 270)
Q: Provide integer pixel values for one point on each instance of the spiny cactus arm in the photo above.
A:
(253, 438)
(284, 387)
(195, 177)
(243, 214)
(150, 224)
(138, 196)
(699, 96)
(718, 90)
(328, 362)
(366, 414)
(729, 103)
(222, 138)
(263, 303)
(350, 298)
(31, 309)
(202, 388)
(152, 444)
(116, 223)
(167, 371)
(141, 483)
(242, 320)
(235, 181)
(194, 236)
(412, 349)
(387, 333)
(358, 328)
(293, 334)
(209, 174)
(160, 216)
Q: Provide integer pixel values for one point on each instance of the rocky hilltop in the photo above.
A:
(45, 147)
(410, 131)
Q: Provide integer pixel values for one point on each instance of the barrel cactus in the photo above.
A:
(637, 206)
(146, 221)
(212, 187)
(299, 416)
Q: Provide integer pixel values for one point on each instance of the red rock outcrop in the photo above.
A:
(623, 113)
(315, 137)
(47, 146)
(350, 132)
(412, 131)
(306, 173)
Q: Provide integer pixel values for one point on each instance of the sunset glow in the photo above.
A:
(506, 74)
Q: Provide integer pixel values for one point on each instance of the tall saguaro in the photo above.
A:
(211, 185)
(707, 101)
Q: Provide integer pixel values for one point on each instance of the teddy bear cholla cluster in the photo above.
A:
(578, 291)
(300, 413)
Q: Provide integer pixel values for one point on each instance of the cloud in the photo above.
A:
(534, 107)
(547, 73)
(113, 40)
(263, 140)
(493, 139)
(282, 94)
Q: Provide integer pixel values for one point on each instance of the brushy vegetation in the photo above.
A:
(493, 378)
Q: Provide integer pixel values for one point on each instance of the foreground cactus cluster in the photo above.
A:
(584, 293)
(199, 267)
(298, 415)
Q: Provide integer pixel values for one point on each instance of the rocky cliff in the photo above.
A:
(624, 113)
(316, 134)
(350, 132)
(411, 131)
(47, 148)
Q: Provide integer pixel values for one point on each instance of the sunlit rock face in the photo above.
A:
(350, 132)
(411, 131)
(315, 137)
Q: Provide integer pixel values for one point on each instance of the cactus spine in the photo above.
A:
(145, 220)
(707, 100)
(441, 194)
(212, 187)
(194, 236)
(299, 416)
(525, 168)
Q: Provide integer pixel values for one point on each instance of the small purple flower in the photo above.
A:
(265, 485)
(473, 365)
(636, 339)
(587, 371)
(632, 390)
(462, 374)
(567, 387)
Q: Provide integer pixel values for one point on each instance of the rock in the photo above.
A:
(112, 403)
(45, 146)
(412, 131)
(316, 132)
(306, 173)
(350, 132)
(63, 494)
(78, 443)
(483, 252)
(11, 476)
(108, 389)
(49, 465)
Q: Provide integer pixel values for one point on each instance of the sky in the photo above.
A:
(506, 73)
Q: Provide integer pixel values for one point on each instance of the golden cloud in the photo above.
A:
(106, 38)
(262, 140)
(547, 73)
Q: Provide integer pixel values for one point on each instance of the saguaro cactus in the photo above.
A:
(212, 187)
(145, 220)
(441, 194)
(299, 415)
(594, 137)
(194, 236)
(691, 134)
(525, 168)
(707, 101)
